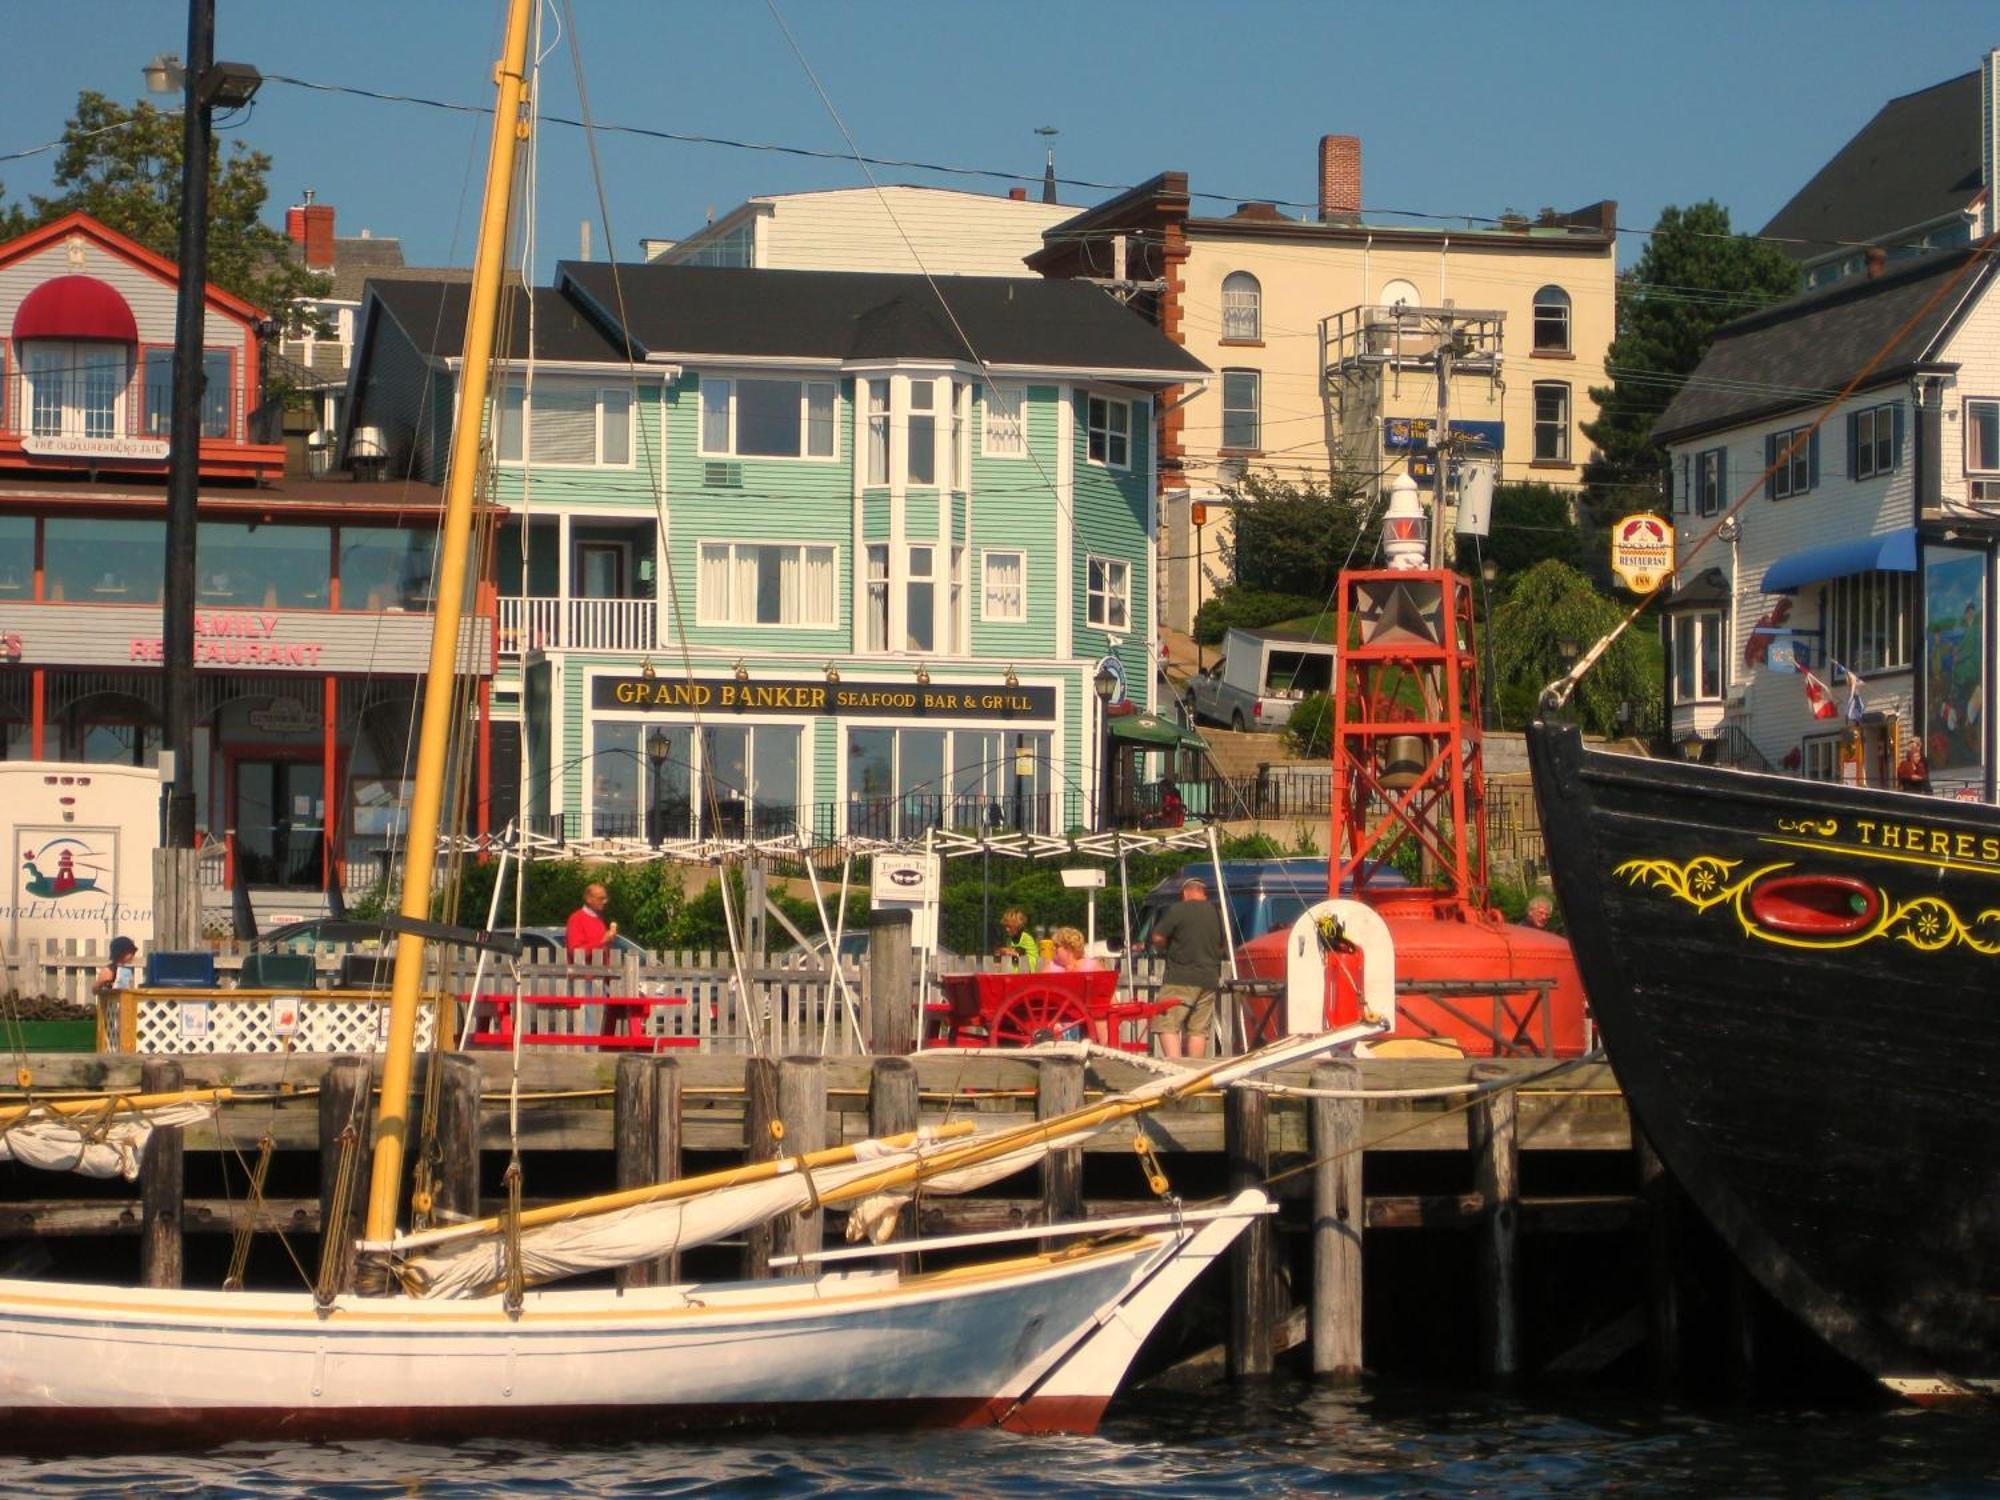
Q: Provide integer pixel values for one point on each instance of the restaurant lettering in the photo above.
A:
(858, 699)
(235, 638)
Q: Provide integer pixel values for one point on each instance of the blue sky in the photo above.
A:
(1462, 108)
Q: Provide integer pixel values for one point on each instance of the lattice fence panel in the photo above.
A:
(269, 1024)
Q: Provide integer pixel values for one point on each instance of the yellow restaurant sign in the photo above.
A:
(1642, 552)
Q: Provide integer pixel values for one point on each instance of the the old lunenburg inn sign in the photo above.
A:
(808, 696)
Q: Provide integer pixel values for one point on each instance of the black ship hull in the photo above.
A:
(1797, 985)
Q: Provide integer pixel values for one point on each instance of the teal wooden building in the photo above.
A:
(797, 553)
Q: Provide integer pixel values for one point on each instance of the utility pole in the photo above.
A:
(1441, 435)
(184, 439)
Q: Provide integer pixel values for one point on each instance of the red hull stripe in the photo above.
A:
(114, 1429)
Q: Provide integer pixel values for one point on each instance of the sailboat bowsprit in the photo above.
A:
(1795, 981)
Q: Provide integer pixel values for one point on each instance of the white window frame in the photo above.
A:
(1098, 432)
(1819, 756)
(1708, 498)
(987, 613)
(1536, 423)
(1972, 406)
(705, 613)
(1242, 323)
(1867, 621)
(1703, 623)
(1256, 410)
(872, 554)
(731, 383)
(527, 454)
(69, 376)
(931, 577)
(940, 433)
(1565, 307)
(995, 445)
(1098, 602)
(961, 435)
(878, 438)
(1881, 438)
(1793, 476)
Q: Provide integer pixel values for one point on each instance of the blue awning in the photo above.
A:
(1890, 552)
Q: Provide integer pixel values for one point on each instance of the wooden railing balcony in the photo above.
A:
(545, 624)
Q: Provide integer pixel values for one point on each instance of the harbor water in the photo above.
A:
(1290, 1438)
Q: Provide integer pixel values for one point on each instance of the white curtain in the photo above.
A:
(791, 600)
(819, 582)
(714, 582)
(743, 595)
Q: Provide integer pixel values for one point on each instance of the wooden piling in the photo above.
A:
(892, 1110)
(633, 1143)
(1664, 1248)
(666, 1270)
(457, 1186)
(161, 1185)
(760, 1109)
(891, 998)
(1246, 1144)
(345, 1092)
(1496, 1175)
(802, 1108)
(1339, 1219)
(1058, 1090)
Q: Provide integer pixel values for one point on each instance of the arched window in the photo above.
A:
(1242, 306)
(1552, 321)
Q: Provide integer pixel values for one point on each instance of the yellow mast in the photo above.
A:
(510, 127)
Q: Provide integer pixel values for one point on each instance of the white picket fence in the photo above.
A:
(791, 1002)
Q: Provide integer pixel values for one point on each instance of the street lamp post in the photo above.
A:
(659, 746)
(1105, 684)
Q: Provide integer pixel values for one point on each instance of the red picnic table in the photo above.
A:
(1019, 1008)
(625, 1018)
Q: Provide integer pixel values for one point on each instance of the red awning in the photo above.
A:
(75, 307)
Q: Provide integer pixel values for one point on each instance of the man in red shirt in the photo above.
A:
(588, 932)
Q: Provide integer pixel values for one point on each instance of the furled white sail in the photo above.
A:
(93, 1146)
(437, 1263)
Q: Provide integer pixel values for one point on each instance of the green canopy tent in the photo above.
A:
(1129, 800)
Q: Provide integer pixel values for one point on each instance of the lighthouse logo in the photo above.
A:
(62, 867)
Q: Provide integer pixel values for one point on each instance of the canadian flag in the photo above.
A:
(1819, 698)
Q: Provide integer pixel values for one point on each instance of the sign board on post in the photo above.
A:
(1642, 552)
(83, 839)
(909, 882)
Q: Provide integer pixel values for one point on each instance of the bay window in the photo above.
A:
(920, 461)
(877, 638)
(878, 432)
(919, 599)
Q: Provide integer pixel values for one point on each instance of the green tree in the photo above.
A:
(122, 165)
(1694, 276)
(1532, 523)
(1551, 612)
(1294, 536)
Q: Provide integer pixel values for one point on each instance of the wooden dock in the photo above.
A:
(1477, 1181)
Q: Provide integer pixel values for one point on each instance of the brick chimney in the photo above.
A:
(1339, 177)
(309, 225)
(1017, 195)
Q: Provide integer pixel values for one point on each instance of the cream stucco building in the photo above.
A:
(1326, 334)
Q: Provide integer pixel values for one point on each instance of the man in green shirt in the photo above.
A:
(1020, 944)
(1190, 935)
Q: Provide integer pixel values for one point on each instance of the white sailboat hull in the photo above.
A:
(1038, 1343)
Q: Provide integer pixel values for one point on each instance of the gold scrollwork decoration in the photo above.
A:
(1929, 924)
(1824, 828)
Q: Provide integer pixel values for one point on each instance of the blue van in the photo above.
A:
(1263, 893)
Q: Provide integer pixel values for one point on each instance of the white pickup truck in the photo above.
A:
(1261, 675)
